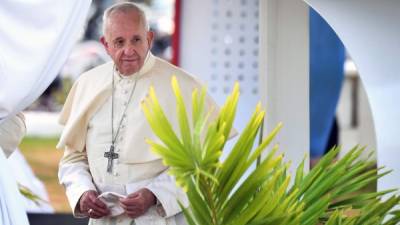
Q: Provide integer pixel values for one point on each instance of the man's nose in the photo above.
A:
(129, 50)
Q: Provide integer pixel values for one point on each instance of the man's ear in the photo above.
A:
(150, 36)
(104, 43)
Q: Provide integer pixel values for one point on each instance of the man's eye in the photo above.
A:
(137, 39)
(118, 44)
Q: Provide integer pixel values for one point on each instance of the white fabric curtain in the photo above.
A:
(36, 37)
(12, 211)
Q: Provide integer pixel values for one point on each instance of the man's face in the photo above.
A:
(127, 41)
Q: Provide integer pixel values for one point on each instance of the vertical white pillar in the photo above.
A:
(284, 74)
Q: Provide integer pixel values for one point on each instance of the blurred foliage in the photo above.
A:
(61, 95)
(27, 193)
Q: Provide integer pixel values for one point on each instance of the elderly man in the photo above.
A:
(108, 171)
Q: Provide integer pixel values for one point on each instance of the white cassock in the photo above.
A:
(87, 136)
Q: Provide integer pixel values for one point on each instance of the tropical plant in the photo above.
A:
(220, 192)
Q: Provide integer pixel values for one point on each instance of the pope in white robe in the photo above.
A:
(103, 109)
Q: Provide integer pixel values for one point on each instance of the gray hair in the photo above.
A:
(124, 7)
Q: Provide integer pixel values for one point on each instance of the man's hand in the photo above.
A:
(91, 206)
(137, 203)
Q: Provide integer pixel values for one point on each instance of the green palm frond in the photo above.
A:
(232, 192)
(27, 193)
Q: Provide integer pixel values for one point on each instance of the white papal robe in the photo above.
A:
(87, 135)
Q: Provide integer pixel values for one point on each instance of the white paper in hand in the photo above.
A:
(111, 199)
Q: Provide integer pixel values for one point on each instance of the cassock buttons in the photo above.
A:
(116, 173)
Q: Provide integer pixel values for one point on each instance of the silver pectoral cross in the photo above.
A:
(111, 155)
